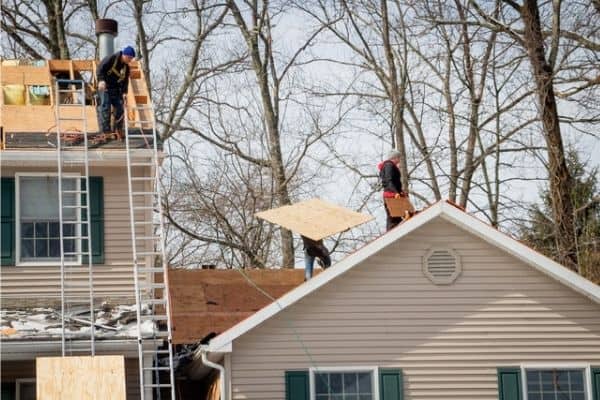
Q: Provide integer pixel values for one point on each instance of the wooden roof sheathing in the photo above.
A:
(315, 218)
(205, 301)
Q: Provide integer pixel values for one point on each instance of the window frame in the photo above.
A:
(374, 370)
(18, 261)
(18, 383)
(586, 368)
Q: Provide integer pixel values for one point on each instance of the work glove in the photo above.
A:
(102, 85)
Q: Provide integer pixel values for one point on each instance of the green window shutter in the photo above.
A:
(390, 384)
(296, 385)
(509, 384)
(596, 383)
(7, 221)
(97, 214)
(7, 391)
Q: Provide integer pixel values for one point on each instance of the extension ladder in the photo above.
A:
(73, 201)
(149, 258)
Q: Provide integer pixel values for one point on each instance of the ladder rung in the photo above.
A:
(149, 253)
(140, 107)
(67, 206)
(143, 208)
(152, 286)
(144, 223)
(147, 238)
(150, 269)
(75, 191)
(155, 351)
(76, 237)
(156, 368)
(75, 222)
(142, 193)
(153, 317)
(155, 302)
(142, 164)
(83, 253)
(143, 178)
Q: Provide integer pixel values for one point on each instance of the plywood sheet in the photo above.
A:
(315, 218)
(401, 207)
(80, 378)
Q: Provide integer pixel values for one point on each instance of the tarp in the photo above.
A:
(315, 218)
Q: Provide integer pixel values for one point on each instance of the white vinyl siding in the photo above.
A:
(448, 340)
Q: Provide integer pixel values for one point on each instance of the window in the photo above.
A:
(343, 385)
(555, 384)
(38, 227)
(25, 389)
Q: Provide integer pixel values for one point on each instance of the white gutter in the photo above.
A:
(208, 363)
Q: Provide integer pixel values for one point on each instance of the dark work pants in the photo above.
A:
(106, 99)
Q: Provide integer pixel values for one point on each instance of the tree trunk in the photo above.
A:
(561, 182)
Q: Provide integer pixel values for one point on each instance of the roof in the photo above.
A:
(442, 209)
(210, 301)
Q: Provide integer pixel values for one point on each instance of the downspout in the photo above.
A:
(208, 363)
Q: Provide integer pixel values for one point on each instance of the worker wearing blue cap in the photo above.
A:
(113, 81)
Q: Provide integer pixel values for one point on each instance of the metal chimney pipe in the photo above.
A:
(106, 30)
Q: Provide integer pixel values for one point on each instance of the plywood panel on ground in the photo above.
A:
(81, 378)
(315, 218)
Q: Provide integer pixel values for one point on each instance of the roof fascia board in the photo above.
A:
(222, 342)
(517, 249)
(48, 158)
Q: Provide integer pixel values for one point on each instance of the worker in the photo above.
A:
(389, 173)
(113, 82)
(314, 249)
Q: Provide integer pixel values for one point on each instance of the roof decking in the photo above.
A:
(212, 301)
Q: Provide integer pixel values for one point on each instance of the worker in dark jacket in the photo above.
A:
(113, 82)
(389, 173)
(314, 249)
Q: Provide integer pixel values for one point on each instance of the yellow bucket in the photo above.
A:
(14, 95)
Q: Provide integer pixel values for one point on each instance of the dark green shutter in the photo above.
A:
(596, 383)
(7, 221)
(296, 385)
(7, 391)
(97, 215)
(390, 384)
(509, 384)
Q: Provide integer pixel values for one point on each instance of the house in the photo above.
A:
(442, 307)
(43, 283)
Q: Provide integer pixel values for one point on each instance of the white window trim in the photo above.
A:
(341, 369)
(18, 261)
(18, 386)
(587, 374)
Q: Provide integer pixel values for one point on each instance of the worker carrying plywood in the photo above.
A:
(389, 173)
(113, 82)
(314, 220)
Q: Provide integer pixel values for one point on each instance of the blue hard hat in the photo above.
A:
(129, 51)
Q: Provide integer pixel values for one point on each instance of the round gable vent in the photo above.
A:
(441, 266)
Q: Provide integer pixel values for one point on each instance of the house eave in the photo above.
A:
(45, 158)
(20, 350)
